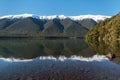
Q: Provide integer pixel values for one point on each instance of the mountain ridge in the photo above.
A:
(80, 17)
(55, 26)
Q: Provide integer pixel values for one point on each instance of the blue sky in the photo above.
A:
(58, 7)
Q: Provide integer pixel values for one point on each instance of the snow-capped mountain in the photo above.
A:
(55, 25)
(81, 17)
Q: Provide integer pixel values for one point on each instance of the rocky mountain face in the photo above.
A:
(60, 26)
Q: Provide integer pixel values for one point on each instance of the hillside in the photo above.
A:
(105, 38)
(28, 25)
(105, 30)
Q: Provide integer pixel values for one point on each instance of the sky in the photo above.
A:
(60, 7)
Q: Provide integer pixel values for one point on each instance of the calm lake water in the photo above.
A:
(60, 59)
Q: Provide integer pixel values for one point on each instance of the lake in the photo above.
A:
(57, 59)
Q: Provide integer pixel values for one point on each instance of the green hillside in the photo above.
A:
(105, 37)
(106, 30)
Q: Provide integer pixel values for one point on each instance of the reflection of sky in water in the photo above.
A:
(61, 68)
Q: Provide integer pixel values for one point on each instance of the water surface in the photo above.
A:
(59, 59)
(29, 49)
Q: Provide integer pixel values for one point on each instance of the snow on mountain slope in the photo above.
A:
(19, 16)
(81, 17)
(94, 17)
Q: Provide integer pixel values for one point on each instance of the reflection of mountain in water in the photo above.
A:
(75, 68)
(35, 48)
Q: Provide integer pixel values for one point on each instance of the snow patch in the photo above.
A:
(94, 17)
(53, 17)
(20, 16)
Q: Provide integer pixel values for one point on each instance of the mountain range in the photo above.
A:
(57, 25)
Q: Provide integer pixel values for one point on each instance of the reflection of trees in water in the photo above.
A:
(35, 48)
(108, 47)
